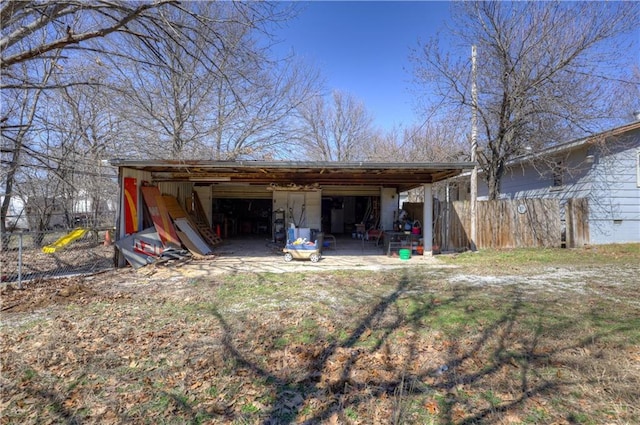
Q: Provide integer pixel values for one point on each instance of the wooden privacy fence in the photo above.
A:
(576, 213)
(519, 223)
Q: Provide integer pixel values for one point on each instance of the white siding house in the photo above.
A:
(16, 216)
(603, 168)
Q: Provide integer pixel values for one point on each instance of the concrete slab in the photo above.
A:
(259, 255)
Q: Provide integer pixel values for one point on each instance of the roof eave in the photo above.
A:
(141, 164)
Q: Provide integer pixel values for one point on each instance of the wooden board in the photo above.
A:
(190, 246)
(518, 223)
(160, 216)
(200, 220)
(177, 212)
(577, 222)
(173, 207)
(193, 236)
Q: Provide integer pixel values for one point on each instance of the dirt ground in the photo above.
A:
(237, 257)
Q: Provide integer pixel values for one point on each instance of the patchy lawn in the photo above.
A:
(504, 337)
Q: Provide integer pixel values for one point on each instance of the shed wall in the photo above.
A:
(181, 190)
(204, 194)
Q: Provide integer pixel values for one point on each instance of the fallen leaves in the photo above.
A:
(104, 354)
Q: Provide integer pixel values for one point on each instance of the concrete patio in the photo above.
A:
(260, 255)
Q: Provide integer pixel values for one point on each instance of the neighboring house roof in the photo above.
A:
(403, 176)
(577, 143)
(566, 146)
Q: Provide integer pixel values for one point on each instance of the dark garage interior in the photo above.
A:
(246, 217)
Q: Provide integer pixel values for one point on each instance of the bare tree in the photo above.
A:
(33, 30)
(177, 101)
(433, 141)
(41, 40)
(87, 132)
(19, 112)
(34, 36)
(339, 131)
(547, 71)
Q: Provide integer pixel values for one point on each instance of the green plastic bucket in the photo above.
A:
(405, 254)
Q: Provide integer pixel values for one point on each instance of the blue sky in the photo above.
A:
(362, 48)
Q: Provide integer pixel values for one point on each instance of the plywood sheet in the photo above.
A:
(160, 216)
(173, 207)
(190, 245)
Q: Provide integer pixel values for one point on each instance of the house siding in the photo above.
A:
(615, 198)
(611, 183)
(536, 180)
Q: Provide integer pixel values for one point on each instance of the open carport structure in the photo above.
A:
(266, 197)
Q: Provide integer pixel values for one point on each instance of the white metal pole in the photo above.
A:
(474, 147)
(427, 221)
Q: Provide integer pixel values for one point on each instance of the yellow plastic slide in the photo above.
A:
(65, 240)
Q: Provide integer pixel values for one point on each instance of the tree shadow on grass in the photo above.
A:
(505, 353)
(285, 408)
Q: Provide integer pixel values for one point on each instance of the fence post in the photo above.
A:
(19, 260)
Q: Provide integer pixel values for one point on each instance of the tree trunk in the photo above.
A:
(494, 174)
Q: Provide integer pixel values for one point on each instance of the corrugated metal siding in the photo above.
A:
(140, 175)
(181, 190)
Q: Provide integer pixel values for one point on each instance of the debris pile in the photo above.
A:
(175, 234)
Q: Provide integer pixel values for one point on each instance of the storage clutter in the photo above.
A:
(300, 247)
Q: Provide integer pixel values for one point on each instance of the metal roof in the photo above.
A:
(559, 148)
(403, 176)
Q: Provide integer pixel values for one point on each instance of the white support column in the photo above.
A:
(427, 221)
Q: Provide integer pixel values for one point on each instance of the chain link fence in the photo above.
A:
(27, 256)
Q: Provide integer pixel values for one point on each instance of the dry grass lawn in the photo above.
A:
(498, 337)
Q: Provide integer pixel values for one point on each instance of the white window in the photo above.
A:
(557, 174)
